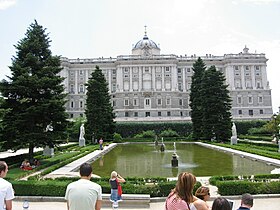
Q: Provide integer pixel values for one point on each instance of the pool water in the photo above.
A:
(146, 160)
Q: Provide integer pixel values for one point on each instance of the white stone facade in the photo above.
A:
(147, 86)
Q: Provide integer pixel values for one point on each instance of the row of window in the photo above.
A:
(136, 76)
(81, 88)
(72, 104)
(167, 69)
(248, 84)
(247, 73)
(147, 85)
(148, 114)
(147, 102)
(250, 99)
(168, 113)
(159, 101)
(250, 112)
(146, 69)
(247, 68)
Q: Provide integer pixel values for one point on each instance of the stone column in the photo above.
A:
(184, 79)
(242, 78)
(162, 79)
(174, 78)
(130, 80)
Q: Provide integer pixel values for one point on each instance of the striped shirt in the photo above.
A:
(175, 203)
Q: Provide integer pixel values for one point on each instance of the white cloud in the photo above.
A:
(5, 4)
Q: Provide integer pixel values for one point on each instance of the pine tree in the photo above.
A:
(216, 105)
(33, 94)
(99, 111)
(196, 98)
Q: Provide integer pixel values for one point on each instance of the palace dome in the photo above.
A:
(145, 47)
(145, 42)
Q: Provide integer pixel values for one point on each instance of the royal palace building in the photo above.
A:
(148, 86)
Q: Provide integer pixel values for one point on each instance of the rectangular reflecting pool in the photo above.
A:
(146, 160)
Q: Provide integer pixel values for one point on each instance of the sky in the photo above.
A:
(108, 28)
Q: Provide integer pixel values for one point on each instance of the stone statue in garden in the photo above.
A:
(233, 139)
(82, 141)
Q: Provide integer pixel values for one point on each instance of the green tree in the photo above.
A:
(216, 105)
(33, 95)
(196, 98)
(273, 125)
(99, 110)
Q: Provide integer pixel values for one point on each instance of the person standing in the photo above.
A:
(6, 188)
(101, 144)
(246, 202)
(84, 194)
(115, 181)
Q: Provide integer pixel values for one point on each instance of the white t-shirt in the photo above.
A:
(6, 192)
(192, 206)
(83, 194)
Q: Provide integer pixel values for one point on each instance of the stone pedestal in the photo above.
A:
(82, 142)
(233, 140)
(162, 147)
(48, 151)
(174, 161)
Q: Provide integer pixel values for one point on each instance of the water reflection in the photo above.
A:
(146, 160)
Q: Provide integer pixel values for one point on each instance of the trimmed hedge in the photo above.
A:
(243, 127)
(256, 138)
(259, 177)
(39, 188)
(240, 187)
(58, 187)
(130, 129)
(184, 129)
(259, 184)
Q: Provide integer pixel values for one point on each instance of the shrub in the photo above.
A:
(130, 129)
(243, 127)
(49, 187)
(240, 187)
(169, 133)
(39, 188)
(259, 131)
(146, 134)
(117, 138)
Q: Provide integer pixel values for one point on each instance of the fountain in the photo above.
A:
(162, 146)
(233, 139)
(174, 160)
(156, 141)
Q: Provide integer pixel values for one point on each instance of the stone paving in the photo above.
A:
(260, 203)
(69, 169)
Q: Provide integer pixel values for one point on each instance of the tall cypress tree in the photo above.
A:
(196, 98)
(34, 98)
(99, 111)
(216, 105)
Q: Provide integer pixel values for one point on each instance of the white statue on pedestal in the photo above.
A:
(233, 139)
(82, 141)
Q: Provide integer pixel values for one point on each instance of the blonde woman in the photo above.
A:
(115, 181)
(203, 193)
